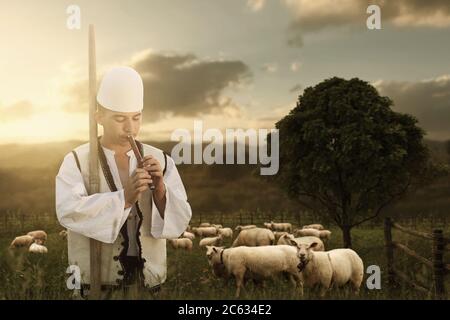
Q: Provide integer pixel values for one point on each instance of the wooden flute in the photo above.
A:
(139, 157)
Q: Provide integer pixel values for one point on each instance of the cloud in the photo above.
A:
(270, 67)
(178, 85)
(298, 87)
(17, 111)
(428, 101)
(255, 5)
(295, 66)
(312, 16)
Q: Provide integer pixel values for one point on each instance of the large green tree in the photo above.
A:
(347, 154)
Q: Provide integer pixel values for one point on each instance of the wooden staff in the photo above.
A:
(94, 181)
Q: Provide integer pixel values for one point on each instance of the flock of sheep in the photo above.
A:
(34, 241)
(260, 253)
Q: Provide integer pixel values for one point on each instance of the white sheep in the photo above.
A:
(316, 226)
(240, 228)
(285, 239)
(21, 241)
(325, 234)
(254, 237)
(181, 243)
(309, 240)
(217, 226)
(284, 226)
(329, 268)
(188, 235)
(307, 232)
(261, 262)
(278, 234)
(205, 231)
(226, 232)
(39, 236)
(205, 224)
(211, 241)
(37, 248)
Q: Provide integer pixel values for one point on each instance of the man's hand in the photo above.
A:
(137, 184)
(152, 166)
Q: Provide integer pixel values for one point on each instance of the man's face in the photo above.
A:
(118, 125)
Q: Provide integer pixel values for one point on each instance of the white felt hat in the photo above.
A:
(121, 90)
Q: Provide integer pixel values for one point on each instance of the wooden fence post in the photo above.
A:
(389, 251)
(438, 264)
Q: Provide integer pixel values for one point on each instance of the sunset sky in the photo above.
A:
(230, 63)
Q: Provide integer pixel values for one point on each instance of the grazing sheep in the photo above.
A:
(188, 235)
(278, 234)
(21, 241)
(325, 234)
(217, 266)
(226, 232)
(307, 232)
(205, 224)
(205, 231)
(240, 228)
(330, 268)
(280, 226)
(63, 234)
(212, 241)
(39, 236)
(261, 262)
(181, 243)
(268, 225)
(37, 248)
(285, 239)
(316, 226)
(254, 237)
(217, 226)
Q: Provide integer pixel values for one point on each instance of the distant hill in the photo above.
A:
(27, 176)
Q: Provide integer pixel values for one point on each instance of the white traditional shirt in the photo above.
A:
(101, 216)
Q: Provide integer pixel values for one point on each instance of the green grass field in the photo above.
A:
(28, 276)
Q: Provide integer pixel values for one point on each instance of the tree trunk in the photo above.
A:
(347, 236)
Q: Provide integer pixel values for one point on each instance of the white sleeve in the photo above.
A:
(99, 216)
(177, 213)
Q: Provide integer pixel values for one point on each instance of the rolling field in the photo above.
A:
(28, 276)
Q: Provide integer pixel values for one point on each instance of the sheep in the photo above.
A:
(329, 268)
(280, 226)
(212, 241)
(284, 239)
(316, 226)
(21, 241)
(254, 237)
(240, 228)
(278, 234)
(63, 234)
(325, 234)
(39, 236)
(226, 232)
(268, 225)
(181, 243)
(188, 228)
(307, 232)
(261, 262)
(205, 231)
(310, 239)
(188, 235)
(217, 226)
(205, 224)
(37, 248)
